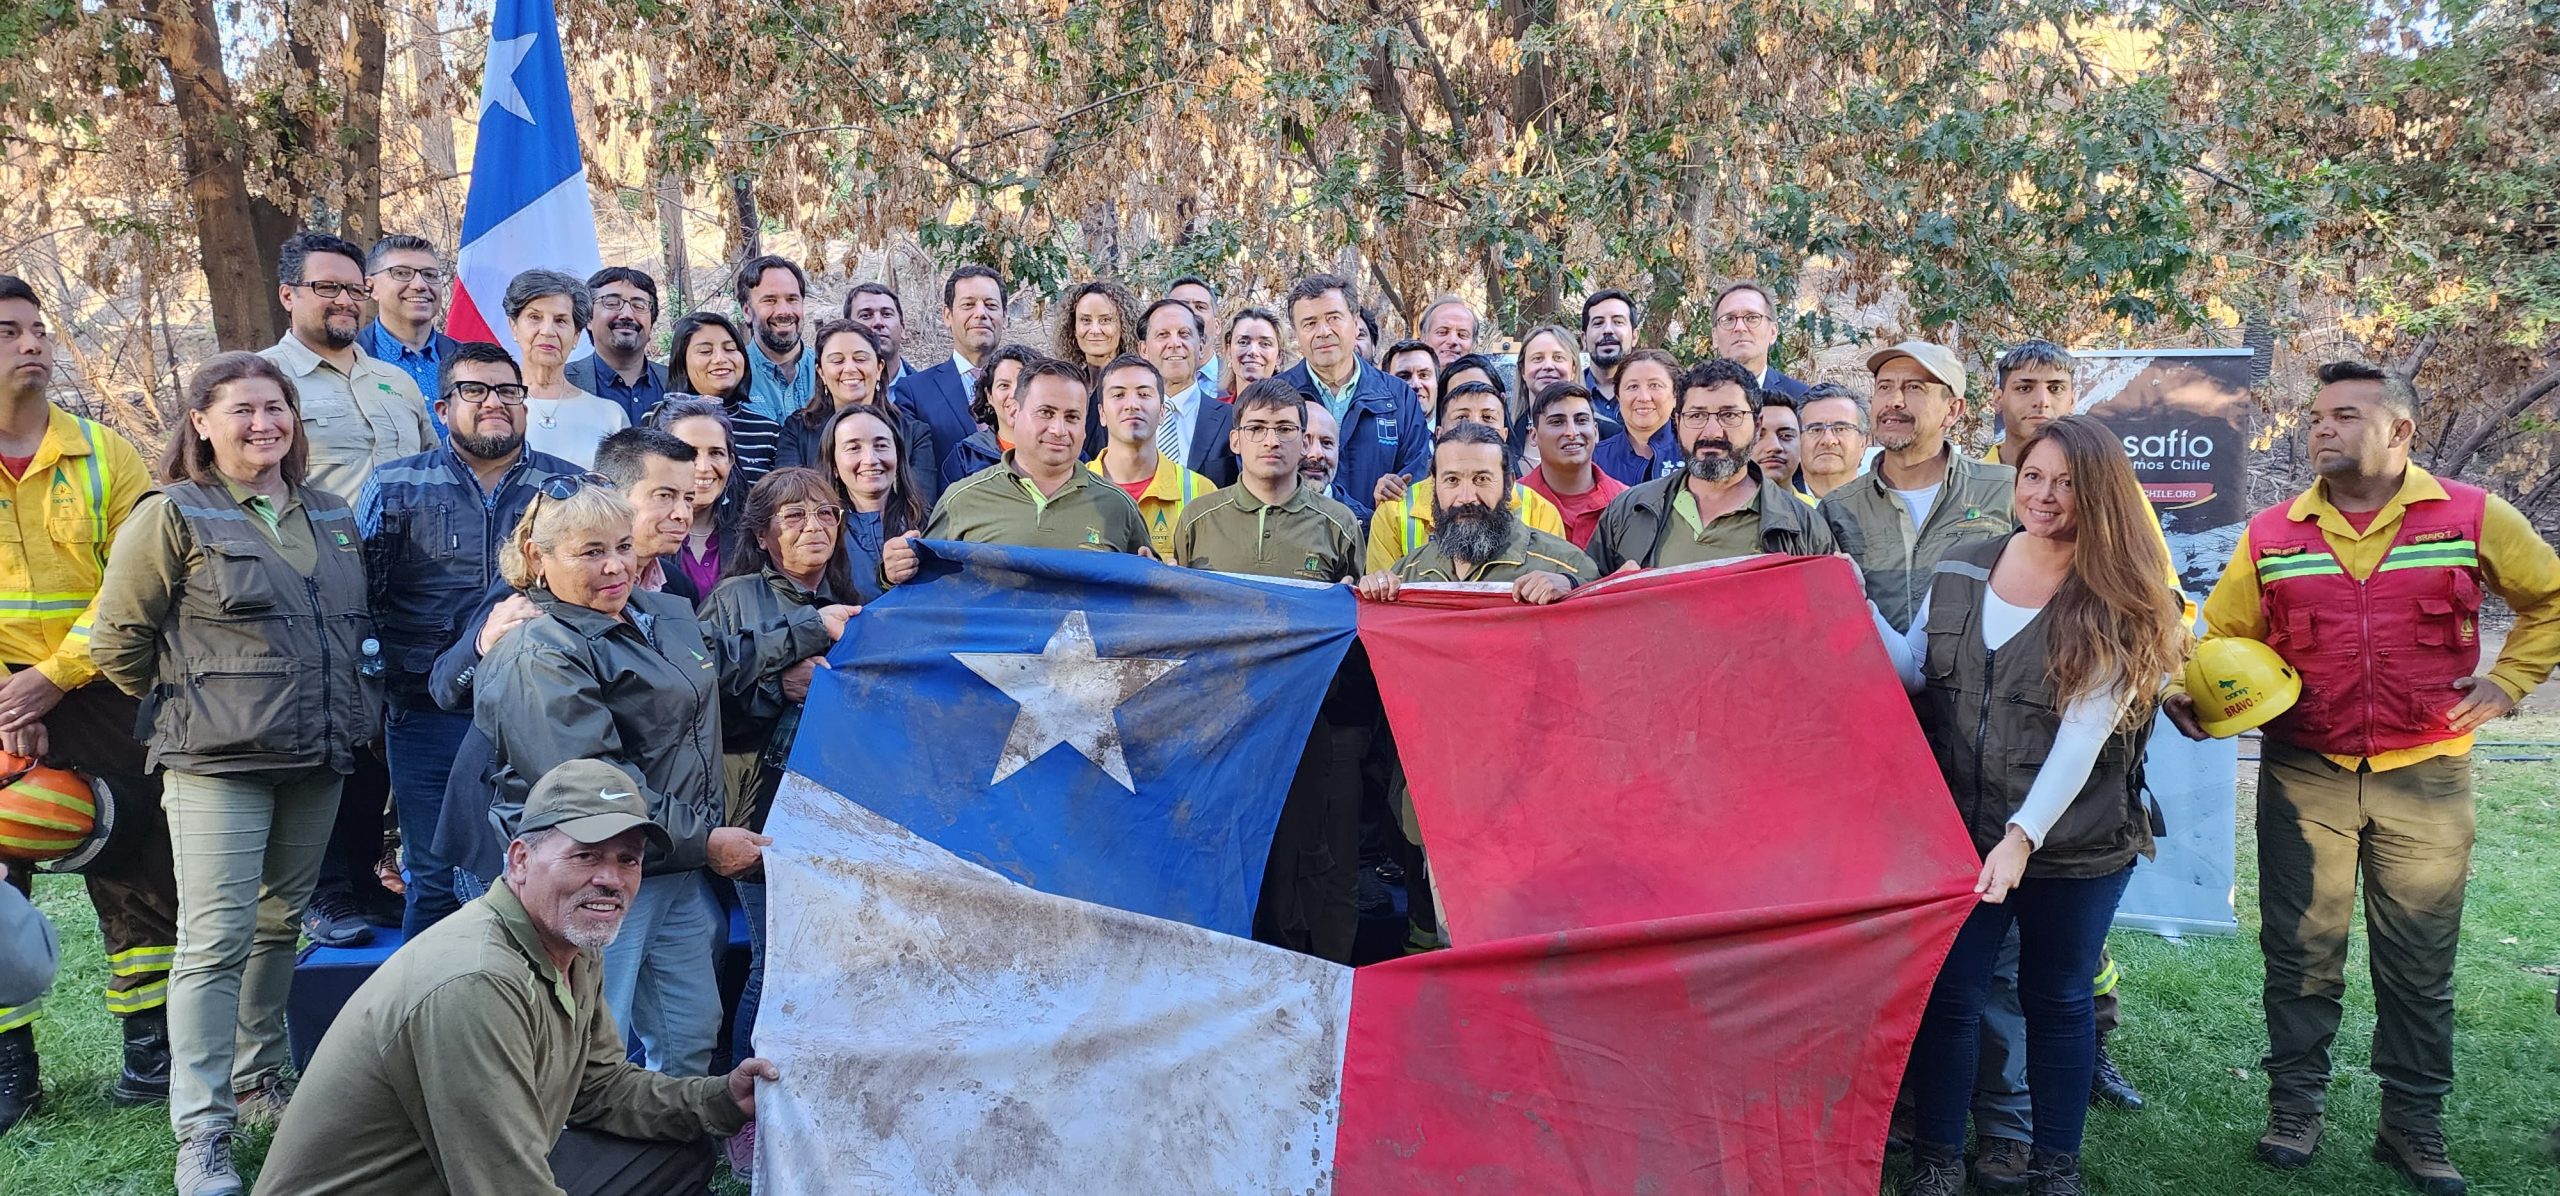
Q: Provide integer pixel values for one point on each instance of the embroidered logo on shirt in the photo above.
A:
(2281, 550)
(1314, 565)
(2437, 537)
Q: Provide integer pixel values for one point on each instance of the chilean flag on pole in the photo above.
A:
(1695, 857)
(528, 204)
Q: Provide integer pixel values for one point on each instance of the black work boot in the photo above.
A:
(2055, 1175)
(1935, 1171)
(2108, 1085)
(146, 1060)
(20, 1091)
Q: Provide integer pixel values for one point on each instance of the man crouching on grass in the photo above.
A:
(455, 1067)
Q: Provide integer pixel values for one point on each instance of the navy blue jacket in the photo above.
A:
(800, 446)
(975, 453)
(1384, 432)
(937, 397)
(431, 545)
(1210, 456)
(1616, 456)
(1777, 382)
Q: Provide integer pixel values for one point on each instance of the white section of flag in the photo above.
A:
(942, 1029)
(554, 232)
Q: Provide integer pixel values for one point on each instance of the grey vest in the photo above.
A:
(260, 665)
(1991, 717)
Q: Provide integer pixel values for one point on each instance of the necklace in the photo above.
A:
(549, 415)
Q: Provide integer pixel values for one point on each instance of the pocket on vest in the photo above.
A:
(238, 704)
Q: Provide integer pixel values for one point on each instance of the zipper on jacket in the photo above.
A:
(328, 701)
(1982, 725)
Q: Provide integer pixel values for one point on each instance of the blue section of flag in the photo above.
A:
(516, 162)
(1223, 677)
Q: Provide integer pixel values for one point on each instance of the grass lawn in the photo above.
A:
(2191, 1040)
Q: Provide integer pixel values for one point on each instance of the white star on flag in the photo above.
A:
(1068, 696)
(498, 86)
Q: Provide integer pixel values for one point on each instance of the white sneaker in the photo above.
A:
(204, 1164)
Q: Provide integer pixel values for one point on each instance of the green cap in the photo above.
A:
(589, 801)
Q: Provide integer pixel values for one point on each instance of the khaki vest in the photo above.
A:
(1990, 718)
(260, 665)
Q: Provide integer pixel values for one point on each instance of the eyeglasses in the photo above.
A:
(1739, 320)
(505, 394)
(1832, 429)
(331, 290)
(610, 303)
(793, 519)
(559, 487)
(1271, 432)
(404, 275)
(1698, 417)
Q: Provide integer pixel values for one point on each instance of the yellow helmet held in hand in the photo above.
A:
(2239, 684)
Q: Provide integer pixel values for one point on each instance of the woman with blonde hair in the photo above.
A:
(2037, 660)
(610, 671)
(234, 607)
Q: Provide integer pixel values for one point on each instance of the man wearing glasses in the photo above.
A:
(358, 412)
(1746, 327)
(408, 280)
(622, 327)
(1719, 505)
(434, 525)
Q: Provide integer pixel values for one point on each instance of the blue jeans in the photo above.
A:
(420, 743)
(659, 974)
(742, 1037)
(2062, 925)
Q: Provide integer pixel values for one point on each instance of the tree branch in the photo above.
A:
(2534, 390)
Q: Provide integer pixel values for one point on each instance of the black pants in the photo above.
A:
(587, 1163)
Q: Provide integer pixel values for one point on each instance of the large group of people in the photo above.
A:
(559, 616)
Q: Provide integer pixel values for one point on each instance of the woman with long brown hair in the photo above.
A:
(849, 368)
(2037, 659)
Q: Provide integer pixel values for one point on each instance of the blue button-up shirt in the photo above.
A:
(775, 392)
(421, 364)
(593, 376)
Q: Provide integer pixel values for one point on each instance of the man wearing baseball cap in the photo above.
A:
(1923, 497)
(455, 1067)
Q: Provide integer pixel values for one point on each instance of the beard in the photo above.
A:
(331, 335)
(1714, 459)
(583, 930)
(488, 448)
(779, 339)
(1472, 532)
(625, 334)
(1608, 351)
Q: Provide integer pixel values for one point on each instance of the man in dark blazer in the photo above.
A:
(1746, 327)
(973, 308)
(1175, 340)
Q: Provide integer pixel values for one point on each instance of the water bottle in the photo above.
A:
(369, 657)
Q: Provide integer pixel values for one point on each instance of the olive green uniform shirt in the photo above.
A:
(1732, 534)
(1309, 537)
(1528, 551)
(456, 1065)
(999, 505)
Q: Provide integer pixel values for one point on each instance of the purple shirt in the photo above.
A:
(704, 569)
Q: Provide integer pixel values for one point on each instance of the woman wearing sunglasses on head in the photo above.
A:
(611, 671)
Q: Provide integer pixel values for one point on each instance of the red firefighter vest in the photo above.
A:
(2378, 657)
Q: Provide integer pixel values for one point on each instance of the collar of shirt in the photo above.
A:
(268, 510)
(377, 339)
(2416, 486)
(1170, 482)
(1686, 504)
(298, 359)
(803, 370)
(653, 576)
(1298, 499)
(1337, 401)
(520, 931)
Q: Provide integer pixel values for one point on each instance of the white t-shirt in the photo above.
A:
(1918, 502)
(571, 428)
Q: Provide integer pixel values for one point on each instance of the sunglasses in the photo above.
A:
(558, 488)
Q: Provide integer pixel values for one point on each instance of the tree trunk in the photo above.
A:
(239, 271)
(749, 232)
(360, 139)
(677, 287)
(1532, 109)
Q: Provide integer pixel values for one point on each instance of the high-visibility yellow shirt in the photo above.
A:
(56, 523)
(2515, 562)
(1172, 489)
(1399, 527)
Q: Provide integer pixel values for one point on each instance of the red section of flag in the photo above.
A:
(463, 321)
(1701, 869)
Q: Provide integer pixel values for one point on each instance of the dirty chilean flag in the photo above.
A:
(1033, 796)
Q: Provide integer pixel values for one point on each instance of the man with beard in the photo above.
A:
(357, 412)
(624, 322)
(1719, 505)
(1561, 421)
(408, 279)
(458, 1063)
(1922, 498)
(1745, 328)
(1608, 334)
(1404, 523)
(1474, 535)
(877, 307)
(1324, 453)
(781, 372)
(433, 527)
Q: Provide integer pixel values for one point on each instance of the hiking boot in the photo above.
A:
(2055, 1175)
(204, 1164)
(146, 1060)
(20, 1089)
(2000, 1164)
(2108, 1085)
(334, 920)
(2418, 1155)
(262, 1102)
(2293, 1135)
(1935, 1171)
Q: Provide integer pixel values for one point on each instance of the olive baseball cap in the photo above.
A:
(1939, 360)
(589, 801)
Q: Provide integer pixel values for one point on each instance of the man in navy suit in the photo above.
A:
(1194, 428)
(1386, 440)
(973, 301)
(1746, 326)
